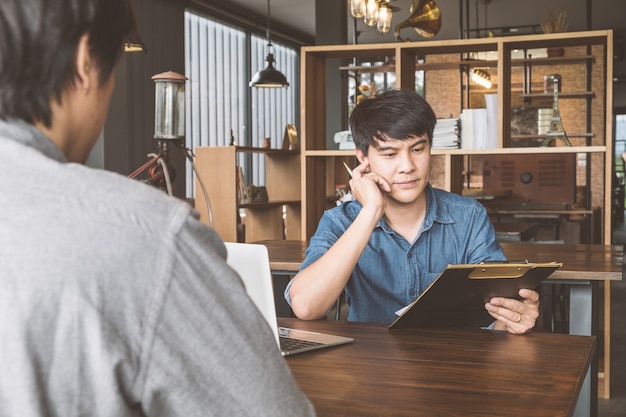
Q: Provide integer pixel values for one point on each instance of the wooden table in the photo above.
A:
(286, 256)
(441, 372)
(580, 262)
(515, 231)
(583, 267)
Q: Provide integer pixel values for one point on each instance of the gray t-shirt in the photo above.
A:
(116, 301)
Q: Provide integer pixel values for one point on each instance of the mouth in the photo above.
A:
(406, 184)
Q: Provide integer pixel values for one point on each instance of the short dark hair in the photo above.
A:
(398, 114)
(38, 40)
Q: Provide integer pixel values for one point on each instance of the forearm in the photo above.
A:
(187, 368)
(316, 288)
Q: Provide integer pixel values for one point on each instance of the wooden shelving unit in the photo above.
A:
(586, 108)
(276, 219)
(318, 162)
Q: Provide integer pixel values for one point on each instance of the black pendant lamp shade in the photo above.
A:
(269, 77)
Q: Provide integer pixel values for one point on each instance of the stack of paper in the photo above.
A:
(491, 139)
(447, 134)
(479, 127)
(544, 119)
(473, 128)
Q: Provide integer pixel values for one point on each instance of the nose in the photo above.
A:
(406, 163)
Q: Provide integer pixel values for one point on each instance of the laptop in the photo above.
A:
(251, 262)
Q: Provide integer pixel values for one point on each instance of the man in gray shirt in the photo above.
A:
(114, 299)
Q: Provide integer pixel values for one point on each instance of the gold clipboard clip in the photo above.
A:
(500, 271)
(506, 269)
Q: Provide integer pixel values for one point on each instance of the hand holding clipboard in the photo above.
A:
(458, 295)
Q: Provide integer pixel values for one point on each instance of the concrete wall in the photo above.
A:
(129, 130)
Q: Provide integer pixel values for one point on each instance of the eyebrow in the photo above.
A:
(418, 142)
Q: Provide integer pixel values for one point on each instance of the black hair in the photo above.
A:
(38, 41)
(392, 114)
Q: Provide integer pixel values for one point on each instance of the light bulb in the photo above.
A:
(371, 13)
(357, 8)
(384, 19)
(481, 77)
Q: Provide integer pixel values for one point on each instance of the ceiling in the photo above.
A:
(298, 14)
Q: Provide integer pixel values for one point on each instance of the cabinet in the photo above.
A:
(235, 220)
(517, 66)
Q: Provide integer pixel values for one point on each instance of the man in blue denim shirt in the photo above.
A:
(388, 245)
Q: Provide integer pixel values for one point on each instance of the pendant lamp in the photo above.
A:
(269, 77)
(375, 13)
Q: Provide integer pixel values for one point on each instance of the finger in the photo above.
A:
(507, 303)
(383, 184)
(529, 295)
(364, 172)
(512, 325)
(360, 170)
(511, 316)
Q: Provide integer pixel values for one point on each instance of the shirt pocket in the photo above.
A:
(427, 279)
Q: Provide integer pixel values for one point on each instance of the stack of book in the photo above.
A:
(447, 134)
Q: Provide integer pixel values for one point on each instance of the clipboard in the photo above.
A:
(457, 297)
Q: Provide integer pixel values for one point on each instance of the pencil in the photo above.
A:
(348, 169)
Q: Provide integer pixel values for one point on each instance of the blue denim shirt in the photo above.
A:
(393, 272)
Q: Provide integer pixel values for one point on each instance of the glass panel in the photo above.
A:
(220, 103)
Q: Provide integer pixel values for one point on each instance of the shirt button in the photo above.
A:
(412, 292)
(409, 255)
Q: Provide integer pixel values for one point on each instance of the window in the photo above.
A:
(620, 141)
(219, 62)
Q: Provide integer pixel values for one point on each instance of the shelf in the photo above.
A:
(268, 204)
(330, 152)
(495, 151)
(270, 151)
(580, 94)
(591, 121)
(470, 63)
(530, 150)
(569, 135)
(364, 69)
(217, 165)
(557, 60)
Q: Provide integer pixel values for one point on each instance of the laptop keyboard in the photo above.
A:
(289, 344)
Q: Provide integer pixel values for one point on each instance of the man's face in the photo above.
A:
(95, 105)
(405, 164)
(100, 102)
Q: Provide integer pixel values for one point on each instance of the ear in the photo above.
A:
(360, 156)
(84, 66)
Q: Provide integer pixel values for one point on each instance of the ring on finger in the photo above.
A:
(519, 319)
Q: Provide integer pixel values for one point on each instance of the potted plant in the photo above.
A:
(555, 23)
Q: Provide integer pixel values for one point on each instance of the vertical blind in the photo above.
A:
(219, 62)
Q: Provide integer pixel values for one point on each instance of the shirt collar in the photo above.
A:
(28, 135)
(435, 212)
